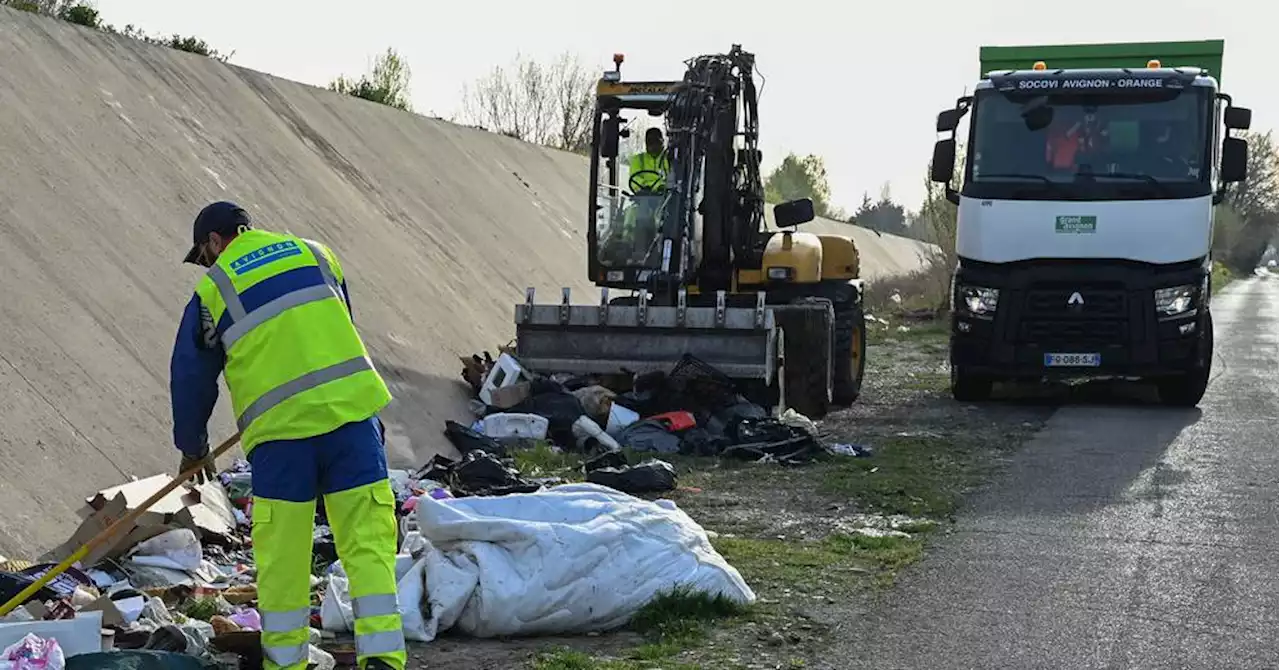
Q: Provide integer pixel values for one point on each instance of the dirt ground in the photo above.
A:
(816, 542)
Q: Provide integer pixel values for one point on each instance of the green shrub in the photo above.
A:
(82, 15)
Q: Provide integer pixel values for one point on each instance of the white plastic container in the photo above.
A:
(619, 418)
(506, 371)
(586, 430)
(510, 424)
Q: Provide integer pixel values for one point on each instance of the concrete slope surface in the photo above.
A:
(108, 148)
(1121, 537)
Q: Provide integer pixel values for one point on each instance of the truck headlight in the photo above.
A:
(1175, 300)
(979, 300)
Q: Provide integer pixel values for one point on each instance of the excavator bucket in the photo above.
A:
(740, 342)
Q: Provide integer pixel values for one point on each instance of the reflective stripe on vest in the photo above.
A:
(244, 322)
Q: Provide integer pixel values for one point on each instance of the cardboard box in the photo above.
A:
(205, 509)
(510, 396)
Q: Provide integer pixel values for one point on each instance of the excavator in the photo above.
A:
(775, 310)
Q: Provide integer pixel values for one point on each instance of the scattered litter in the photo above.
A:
(33, 653)
(857, 450)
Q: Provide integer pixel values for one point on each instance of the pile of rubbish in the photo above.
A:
(178, 588)
(693, 409)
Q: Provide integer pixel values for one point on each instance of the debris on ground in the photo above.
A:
(178, 588)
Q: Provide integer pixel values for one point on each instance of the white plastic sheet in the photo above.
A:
(569, 559)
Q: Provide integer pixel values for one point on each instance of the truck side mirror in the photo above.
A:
(793, 213)
(1235, 160)
(943, 167)
(1237, 118)
(949, 120)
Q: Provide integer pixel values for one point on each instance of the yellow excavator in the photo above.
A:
(777, 311)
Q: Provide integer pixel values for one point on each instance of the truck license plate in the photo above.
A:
(1072, 360)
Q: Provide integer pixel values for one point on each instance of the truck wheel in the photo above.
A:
(968, 386)
(806, 367)
(1187, 389)
(848, 353)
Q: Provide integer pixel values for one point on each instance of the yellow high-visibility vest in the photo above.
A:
(295, 365)
(645, 162)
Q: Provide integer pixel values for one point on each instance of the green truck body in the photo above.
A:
(1205, 54)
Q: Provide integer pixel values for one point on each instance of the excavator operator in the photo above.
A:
(652, 162)
(648, 183)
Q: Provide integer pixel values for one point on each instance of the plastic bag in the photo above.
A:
(33, 653)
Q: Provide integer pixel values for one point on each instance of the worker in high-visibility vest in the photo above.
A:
(648, 178)
(273, 316)
(652, 160)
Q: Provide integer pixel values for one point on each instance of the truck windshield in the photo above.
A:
(1079, 145)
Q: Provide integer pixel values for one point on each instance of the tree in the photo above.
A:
(549, 105)
(883, 215)
(800, 178)
(387, 83)
(936, 223)
(1248, 225)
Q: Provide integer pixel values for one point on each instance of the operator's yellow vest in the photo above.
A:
(295, 366)
(643, 162)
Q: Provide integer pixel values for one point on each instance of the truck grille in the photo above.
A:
(1057, 302)
(1052, 316)
(1090, 331)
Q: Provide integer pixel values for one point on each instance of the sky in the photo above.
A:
(857, 83)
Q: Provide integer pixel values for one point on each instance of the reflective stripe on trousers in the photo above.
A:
(377, 642)
(283, 623)
(243, 322)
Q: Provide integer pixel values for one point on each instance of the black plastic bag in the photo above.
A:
(467, 440)
(483, 474)
(651, 476)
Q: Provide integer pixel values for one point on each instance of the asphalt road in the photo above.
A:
(1122, 536)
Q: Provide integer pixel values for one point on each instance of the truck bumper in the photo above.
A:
(1105, 310)
(974, 348)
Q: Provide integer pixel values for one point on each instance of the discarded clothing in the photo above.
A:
(649, 435)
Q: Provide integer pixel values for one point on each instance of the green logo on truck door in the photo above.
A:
(1076, 225)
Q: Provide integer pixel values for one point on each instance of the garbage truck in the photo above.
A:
(1084, 214)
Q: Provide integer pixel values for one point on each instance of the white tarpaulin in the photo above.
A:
(571, 559)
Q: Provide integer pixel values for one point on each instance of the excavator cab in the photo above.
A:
(631, 197)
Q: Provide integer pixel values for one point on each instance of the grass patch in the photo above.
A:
(542, 460)
(672, 622)
(904, 330)
(834, 562)
(680, 616)
(915, 476)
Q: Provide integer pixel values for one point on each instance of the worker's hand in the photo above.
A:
(206, 471)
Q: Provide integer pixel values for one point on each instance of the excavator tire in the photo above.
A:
(848, 353)
(806, 367)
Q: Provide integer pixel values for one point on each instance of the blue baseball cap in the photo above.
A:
(223, 217)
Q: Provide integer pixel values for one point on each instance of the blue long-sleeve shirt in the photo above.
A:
(197, 360)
